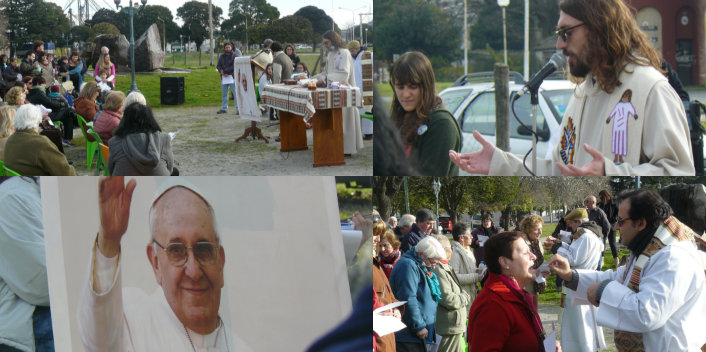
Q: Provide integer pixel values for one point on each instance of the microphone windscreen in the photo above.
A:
(558, 60)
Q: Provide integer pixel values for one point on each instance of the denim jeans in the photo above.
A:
(224, 104)
(43, 336)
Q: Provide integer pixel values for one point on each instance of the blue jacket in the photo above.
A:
(411, 238)
(409, 284)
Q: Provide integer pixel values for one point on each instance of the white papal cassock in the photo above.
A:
(579, 330)
(113, 319)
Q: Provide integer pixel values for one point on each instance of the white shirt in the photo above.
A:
(143, 323)
(670, 307)
(23, 268)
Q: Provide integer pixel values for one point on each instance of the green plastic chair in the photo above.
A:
(91, 146)
(5, 171)
(102, 161)
(367, 116)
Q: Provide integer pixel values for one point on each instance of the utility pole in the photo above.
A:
(210, 27)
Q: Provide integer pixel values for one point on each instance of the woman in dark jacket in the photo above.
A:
(428, 131)
(139, 147)
(289, 50)
(60, 110)
(486, 228)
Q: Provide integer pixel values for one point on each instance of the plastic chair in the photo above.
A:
(5, 171)
(91, 146)
(367, 116)
(102, 161)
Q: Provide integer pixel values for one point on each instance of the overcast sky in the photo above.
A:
(342, 17)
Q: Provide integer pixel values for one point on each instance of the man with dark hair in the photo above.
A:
(28, 65)
(657, 301)
(597, 215)
(623, 119)
(225, 68)
(282, 68)
(420, 229)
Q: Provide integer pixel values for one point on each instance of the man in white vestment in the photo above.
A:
(657, 301)
(187, 259)
(339, 68)
(579, 330)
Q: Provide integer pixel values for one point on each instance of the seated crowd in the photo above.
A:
(42, 98)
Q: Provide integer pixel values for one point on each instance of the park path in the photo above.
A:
(205, 145)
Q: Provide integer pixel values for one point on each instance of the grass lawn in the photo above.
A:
(202, 86)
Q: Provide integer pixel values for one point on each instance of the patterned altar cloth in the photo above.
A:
(302, 101)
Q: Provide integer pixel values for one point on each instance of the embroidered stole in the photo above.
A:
(670, 232)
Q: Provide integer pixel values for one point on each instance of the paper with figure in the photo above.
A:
(245, 90)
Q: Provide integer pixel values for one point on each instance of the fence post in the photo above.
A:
(502, 106)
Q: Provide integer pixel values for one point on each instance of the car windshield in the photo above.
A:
(558, 100)
(453, 98)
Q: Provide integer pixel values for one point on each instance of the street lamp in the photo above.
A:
(131, 12)
(436, 187)
(504, 4)
(366, 37)
(352, 29)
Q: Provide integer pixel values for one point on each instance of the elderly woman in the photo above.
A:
(339, 68)
(487, 229)
(16, 96)
(503, 316)
(7, 126)
(86, 104)
(531, 226)
(463, 262)
(31, 154)
(414, 281)
(451, 313)
(134, 97)
(139, 147)
(109, 118)
(388, 251)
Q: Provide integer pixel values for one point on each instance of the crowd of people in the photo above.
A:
(481, 288)
(45, 95)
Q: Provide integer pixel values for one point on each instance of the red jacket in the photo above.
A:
(500, 321)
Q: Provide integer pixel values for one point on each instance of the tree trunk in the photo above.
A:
(384, 188)
(506, 218)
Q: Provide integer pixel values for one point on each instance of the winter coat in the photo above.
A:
(478, 251)
(411, 238)
(141, 154)
(431, 148)
(409, 284)
(465, 268)
(105, 124)
(384, 293)
(86, 108)
(451, 313)
(226, 63)
(31, 154)
(281, 67)
(501, 321)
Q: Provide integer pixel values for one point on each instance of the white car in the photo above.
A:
(473, 106)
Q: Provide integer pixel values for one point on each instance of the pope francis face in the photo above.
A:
(187, 259)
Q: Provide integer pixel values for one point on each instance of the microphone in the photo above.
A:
(556, 62)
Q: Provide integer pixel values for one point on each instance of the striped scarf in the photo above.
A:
(388, 262)
(671, 231)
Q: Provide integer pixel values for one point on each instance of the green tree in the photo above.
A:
(152, 14)
(320, 22)
(29, 20)
(256, 12)
(102, 28)
(384, 190)
(195, 17)
(405, 25)
(80, 33)
(290, 29)
(115, 18)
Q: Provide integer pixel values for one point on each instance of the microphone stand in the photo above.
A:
(534, 99)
